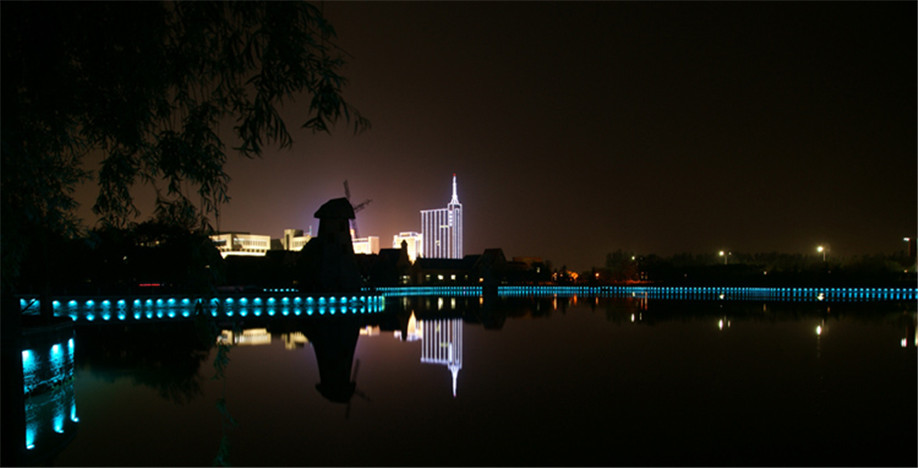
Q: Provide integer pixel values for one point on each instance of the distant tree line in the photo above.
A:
(150, 257)
(757, 269)
(164, 93)
(157, 256)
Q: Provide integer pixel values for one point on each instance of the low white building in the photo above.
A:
(414, 240)
(241, 243)
(294, 239)
(366, 245)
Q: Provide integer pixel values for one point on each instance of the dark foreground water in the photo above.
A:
(503, 381)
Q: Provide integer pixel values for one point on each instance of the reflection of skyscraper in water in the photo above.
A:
(442, 344)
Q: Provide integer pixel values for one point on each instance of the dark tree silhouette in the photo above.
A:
(150, 85)
(147, 85)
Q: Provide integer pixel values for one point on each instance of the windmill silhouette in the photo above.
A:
(362, 205)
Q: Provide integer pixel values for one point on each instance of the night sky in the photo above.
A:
(576, 129)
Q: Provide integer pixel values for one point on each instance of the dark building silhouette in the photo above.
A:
(390, 267)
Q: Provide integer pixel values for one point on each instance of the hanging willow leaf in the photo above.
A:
(149, 85)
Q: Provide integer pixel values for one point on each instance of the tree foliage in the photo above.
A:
(152, 85)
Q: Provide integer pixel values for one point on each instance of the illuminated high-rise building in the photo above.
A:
(441, 229)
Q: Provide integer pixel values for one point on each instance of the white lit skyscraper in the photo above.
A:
(441, 229)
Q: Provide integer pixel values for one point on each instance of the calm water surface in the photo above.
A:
(507, 381)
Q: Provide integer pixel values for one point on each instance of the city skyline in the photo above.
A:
(580, 129)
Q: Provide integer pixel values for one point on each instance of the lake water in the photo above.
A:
(552, 380)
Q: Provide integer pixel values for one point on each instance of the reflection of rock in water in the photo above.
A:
(334, 342)
(170, 366)
(51, 423)
(50, 419)
(327, 262)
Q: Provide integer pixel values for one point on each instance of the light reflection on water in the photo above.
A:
(468, 380)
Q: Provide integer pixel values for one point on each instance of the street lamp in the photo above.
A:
(822, 250)
(724, 255)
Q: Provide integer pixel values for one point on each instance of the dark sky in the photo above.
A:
(576, 129)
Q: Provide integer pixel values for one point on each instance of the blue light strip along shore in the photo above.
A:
(285, 304)
(178, 307)
(675, 293)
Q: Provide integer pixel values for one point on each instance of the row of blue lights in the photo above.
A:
(308, 311)
(369, 301)
(664, 291)
(173, 302)
(720, 292)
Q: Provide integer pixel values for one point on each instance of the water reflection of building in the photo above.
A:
(442, 344)
(294, 340)
(50, 405)
(414, 330)
(248, 337)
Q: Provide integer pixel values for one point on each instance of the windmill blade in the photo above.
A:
(362, 205)
(347, 411)
(354, 227)
(360, 393)
(354, 379)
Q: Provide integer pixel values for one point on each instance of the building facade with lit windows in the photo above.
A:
(365, 245)
(241, 243)
(414, 241)
(295, 239)
(441, 229)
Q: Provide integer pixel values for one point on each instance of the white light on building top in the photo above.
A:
(441, 229)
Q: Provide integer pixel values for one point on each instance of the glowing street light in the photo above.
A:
(724, 255)
(910, 248)
(822, 250)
